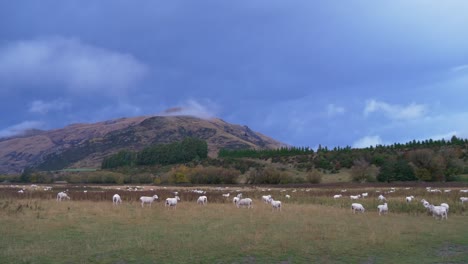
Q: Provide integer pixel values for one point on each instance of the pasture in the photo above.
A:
(312, 227)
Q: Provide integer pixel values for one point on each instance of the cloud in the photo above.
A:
(191, 107)
(397, 112)
(19, 128)
(41, 107)
(367, 141)
(71, 65)
(333, 110)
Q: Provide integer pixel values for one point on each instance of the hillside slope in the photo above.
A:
(85, 145)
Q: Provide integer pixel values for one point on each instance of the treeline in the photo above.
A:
(265, 153)
(163, 154)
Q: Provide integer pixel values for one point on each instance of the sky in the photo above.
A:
(335, 73)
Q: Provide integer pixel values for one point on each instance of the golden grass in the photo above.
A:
(45, 231)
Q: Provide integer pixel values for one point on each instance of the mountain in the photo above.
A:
(85, 145)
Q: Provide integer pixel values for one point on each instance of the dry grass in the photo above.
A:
(46, 231)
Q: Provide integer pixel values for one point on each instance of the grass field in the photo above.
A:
(311, 228)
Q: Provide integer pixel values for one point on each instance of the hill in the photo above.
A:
(86, 145)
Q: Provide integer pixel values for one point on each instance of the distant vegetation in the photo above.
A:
(178, 152)
(186, 162)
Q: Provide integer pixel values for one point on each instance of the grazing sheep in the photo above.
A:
(202, 200)
(464, 191)
(337, 196)
(357, 207)
(409, 198)
(355, 197)
(61, 196)
(266, 198)
(244, 202)
(275, 204)
(20, 191)
(226, 195)
(445, 205)
(439, 211)
(116, 199)
(383, 208)
(235, 200)
(287, 196)
(172, 202)
(382, 198)
(463, 199)
(365, 194)
(148, 199)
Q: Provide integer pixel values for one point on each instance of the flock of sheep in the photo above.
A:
(438, 211)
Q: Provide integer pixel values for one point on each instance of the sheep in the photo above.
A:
(382, 198)
(148, 199)
(445, 205)
(20, 191)
(365, 194)
(244, 202)
(463, 199)
(409, 198)
(337, 196)
(202, 200)
(357, 207)
(275, 204)
(61, 196)
(464, 191)
(172, 202)
(287, 196)
(116, 199)
(235, 200)
(355, 197)
(425, 203)
(266, 198)
(438, 211)
(226, 195)
(383, 208)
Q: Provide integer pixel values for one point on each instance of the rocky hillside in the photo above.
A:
(85, 145)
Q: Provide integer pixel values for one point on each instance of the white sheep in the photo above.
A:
(383, 208)
(357, 207)
(226, 195)
(438, 211)
(409, 198)
(337, 196)
(61, 196)
(20, 191)
(266, 198)
(446, 206)
(287, 196)
(172, 202)
(463, 199)
(202, 200)
(244, 202)
(148, 199)
(116, 199)
(275, 204)
(365, 194)
(355, 197)
(381, 198)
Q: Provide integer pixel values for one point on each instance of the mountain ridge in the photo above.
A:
(86, 144)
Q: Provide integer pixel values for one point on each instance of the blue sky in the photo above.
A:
(334, 73)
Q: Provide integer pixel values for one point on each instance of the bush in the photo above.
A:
(314, 176)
